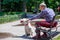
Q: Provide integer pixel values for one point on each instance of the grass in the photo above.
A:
(58, 17)
(58, 38)
(8, 18)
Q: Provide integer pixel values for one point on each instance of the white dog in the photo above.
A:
(29, 27)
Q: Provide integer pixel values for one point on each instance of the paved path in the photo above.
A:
(8, 31)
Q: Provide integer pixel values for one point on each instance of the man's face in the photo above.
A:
(41, 7)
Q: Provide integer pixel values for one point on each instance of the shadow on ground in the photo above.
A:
(5, 35)
(18, 25)
(23, 36)
(55, 34)
(48, 38)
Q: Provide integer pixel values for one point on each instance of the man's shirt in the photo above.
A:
(47, 13)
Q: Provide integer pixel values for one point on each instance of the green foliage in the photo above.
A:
(18, 5)
(9, 13)
(14, 7)
(32, 4)
(8, 18)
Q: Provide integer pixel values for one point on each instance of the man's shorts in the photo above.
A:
(46, 24)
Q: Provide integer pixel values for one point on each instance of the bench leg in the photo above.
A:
(50, 34)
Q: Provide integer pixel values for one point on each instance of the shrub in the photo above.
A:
(8, 18)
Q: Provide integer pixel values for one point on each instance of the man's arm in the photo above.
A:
(41, 14)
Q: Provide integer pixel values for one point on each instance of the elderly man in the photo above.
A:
(46, 13)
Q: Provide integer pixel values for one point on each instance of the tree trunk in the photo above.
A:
(24, 6)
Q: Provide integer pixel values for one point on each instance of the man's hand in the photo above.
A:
(29, 21)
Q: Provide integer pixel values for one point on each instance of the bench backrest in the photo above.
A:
(53, 19)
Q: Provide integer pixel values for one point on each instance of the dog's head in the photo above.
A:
(23, 21)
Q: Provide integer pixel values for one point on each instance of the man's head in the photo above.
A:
(42, 6)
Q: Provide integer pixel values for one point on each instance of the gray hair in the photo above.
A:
(42, 4)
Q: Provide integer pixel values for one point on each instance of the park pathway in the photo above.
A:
(9, 30)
